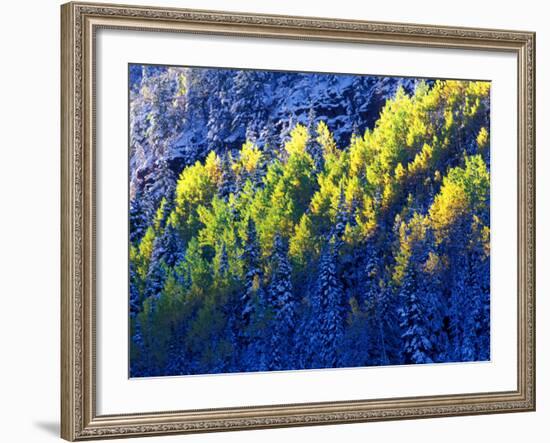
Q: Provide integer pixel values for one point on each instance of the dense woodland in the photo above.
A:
(349, 229)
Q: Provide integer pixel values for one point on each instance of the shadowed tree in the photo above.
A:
(283, 305)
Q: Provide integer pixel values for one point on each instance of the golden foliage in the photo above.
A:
(249, 159)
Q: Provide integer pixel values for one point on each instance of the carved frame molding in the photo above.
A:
(79, 22)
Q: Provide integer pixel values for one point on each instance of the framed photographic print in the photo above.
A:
(282, 221)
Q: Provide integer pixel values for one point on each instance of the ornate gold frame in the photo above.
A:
(79, 22)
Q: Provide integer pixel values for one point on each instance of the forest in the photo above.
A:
(285, 221)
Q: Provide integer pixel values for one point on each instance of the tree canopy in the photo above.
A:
(314, 254)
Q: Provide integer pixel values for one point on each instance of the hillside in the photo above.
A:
(290, 220)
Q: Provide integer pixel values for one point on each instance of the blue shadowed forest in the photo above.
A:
(287, 220)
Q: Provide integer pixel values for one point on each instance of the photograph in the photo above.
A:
(286, 220)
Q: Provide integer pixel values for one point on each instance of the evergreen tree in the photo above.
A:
(140, 216)
(379, 311)
(417, 346)
(155, 278)
(228, 181)
(314, 148)
(282, 302)
(250, 308)
(330, 308)
(135, 294)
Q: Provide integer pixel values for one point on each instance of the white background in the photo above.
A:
(29, 186)
(117, 394)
